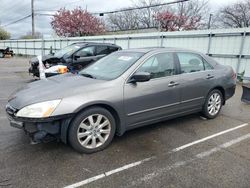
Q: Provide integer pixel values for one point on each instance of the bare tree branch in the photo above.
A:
(236, 15)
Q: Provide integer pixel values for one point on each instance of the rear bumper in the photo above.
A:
(229, 92)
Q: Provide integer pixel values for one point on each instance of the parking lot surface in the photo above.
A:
(185, 152)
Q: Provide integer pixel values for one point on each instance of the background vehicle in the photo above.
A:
(75, 56)
(125, 90)
(7, 51)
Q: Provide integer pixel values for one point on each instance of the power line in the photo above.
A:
(102, 13)
(18, 6)
(143, 7)
(16, 21)
(42, 10)
(124, 10)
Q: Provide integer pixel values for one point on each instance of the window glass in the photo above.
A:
(160, 65)
(112, 66)
(112, 49)
(85, 52)
(102, 50)
(207, 65)
(190, 62)
(67, 51)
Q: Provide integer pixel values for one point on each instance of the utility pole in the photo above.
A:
(33, 18)
(209, 22)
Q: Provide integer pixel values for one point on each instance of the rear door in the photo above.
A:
(157, 98)
(104, 50)
(196, 79)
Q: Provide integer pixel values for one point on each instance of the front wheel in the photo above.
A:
(92, 130)
(213, 104)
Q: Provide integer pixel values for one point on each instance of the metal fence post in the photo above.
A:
(114, 40)
(25, 48)
(128, 42)
(162, 37)
(209, 42)
(241, 51)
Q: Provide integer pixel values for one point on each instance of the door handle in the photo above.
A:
(173, 84)
(210, 76)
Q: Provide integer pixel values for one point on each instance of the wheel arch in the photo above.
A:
(222, 90)
(119, 128)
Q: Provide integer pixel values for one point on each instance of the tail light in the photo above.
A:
(234, 75)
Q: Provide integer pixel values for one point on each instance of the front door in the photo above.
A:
(157, 98)
(83, 58)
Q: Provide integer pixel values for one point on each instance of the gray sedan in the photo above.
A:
(125, 90)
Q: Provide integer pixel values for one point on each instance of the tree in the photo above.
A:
(28, 35)
(124, 20)
(172, 22)
(77, 22)
(189, 15)
(147, 15)
(236, 15)
(4, 35)
(134, 19)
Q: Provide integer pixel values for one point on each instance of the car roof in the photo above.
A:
(94, 43)
(159, 49)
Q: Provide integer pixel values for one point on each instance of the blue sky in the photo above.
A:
(17, 9)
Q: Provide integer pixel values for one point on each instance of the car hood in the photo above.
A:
(44, 58)
(57, 87)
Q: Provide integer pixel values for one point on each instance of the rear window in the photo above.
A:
(191, 62)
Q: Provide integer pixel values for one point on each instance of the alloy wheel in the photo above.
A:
(94, 131)
(214, 104)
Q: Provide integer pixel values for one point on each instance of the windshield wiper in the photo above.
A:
(88, 75)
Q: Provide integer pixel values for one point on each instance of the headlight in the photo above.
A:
(39, 110)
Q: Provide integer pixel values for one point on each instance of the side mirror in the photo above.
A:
(140, 77)
(76, 57)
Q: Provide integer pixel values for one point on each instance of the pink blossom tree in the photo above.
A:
(77, 22)
(170, 21)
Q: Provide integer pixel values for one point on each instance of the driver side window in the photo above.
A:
(86, 52)
(160, 65)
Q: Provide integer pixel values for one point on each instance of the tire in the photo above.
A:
(86, 135)
(213, 104)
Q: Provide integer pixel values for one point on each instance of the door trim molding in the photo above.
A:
(164, 106)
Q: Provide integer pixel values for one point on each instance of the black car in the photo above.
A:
(7, 51)
(75, 56)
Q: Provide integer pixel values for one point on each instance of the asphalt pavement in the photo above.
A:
(184, 152)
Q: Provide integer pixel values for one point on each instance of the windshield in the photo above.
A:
(112, 66)
(66, 51)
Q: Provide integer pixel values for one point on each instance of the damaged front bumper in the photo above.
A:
(41, 129)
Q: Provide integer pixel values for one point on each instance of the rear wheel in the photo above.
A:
(213, 104)
(92, 130)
